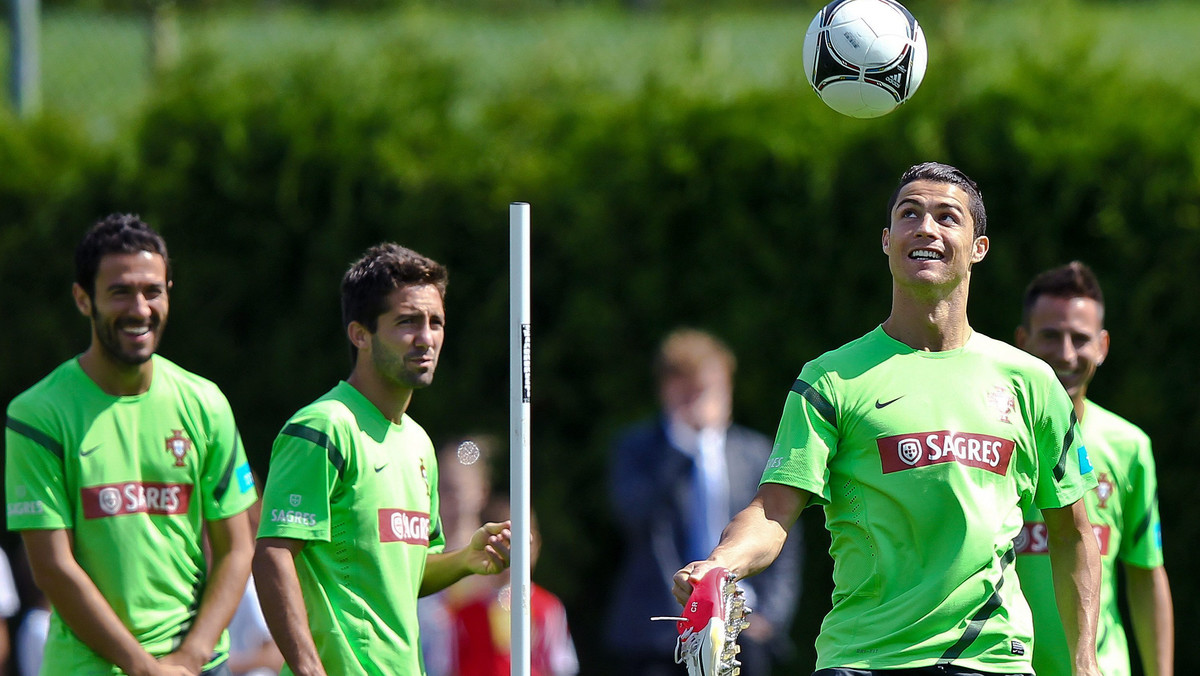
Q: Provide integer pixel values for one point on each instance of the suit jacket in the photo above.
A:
(651, 488)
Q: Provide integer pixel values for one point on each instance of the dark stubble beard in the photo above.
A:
(110, 341)
(392, 367)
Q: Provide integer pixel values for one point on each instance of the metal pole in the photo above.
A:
(26, 63)
(519, 383)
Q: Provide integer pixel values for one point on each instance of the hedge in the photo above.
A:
(757, 217)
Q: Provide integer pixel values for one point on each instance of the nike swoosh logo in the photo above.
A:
(881, 404)
(84, 454)
(380, 468)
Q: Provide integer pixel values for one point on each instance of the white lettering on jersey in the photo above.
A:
(1035, 539)
(293, 517)
(907, 451)
(400, 525)
(136, 497)
(26, 507)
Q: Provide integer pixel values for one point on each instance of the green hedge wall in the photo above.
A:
(757, 217)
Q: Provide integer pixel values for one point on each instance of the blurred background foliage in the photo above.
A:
(680, 171)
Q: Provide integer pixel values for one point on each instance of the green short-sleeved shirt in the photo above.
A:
(134, 478)
(921, 460)
(1123, 510)
(362, 492)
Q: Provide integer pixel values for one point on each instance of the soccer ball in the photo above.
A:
(864, 57)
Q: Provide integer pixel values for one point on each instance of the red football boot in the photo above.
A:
(713, 617)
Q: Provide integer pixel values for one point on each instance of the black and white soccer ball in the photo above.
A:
(864, 57)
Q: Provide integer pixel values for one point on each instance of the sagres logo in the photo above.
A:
(399, 525)
(110, 500)
(1034, 539)
(909, 451)
(135, 497)
(906, 451)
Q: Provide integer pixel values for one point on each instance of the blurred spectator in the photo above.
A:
(252, 651)
(464, 484)
(10, 603)
(31, 637)
(482, 622)
(437, 634)
(29, 642)
(675, 481)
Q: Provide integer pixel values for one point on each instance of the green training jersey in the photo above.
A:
(1123, 510)
(134, 478)
(362, 492)
(921, 460)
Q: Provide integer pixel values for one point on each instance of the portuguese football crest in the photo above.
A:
(179, 445)
(1104, 489)
(1002, 403)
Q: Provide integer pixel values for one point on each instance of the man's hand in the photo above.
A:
(490, 548)
(713, 617)
(163, 668)
(688, 577)
(486, 554)
(191, 663)
(168, 669)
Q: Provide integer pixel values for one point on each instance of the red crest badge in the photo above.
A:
(178, 446)
(1104, 489)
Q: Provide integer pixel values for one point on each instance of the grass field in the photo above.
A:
(97, 67)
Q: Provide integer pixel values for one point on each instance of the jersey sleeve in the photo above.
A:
(35, 485)
(305, 468)
(227, 486)
(1141, 541)
(437, 531)
(1064, 473)
(807, 437)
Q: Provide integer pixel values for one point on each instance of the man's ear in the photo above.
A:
(83, 302)
(359, 336)
(982, 246)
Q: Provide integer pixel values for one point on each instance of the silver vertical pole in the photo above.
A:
(25, 57)
(521, 613)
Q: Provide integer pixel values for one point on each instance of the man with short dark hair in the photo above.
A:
(922, 440)
(118, 463)
(350, 534)
(1062, 321)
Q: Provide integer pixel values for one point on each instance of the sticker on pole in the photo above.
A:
(525, 360)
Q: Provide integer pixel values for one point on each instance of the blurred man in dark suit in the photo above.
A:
(675, 481)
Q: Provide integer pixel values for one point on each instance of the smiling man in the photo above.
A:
(350, 535)
(921, 440)
(1062, 321)
(118, 463)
